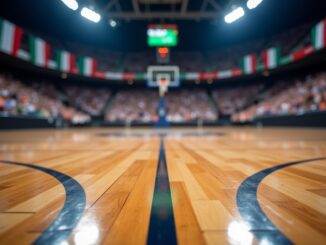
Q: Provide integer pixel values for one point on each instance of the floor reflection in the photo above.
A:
(87, 236)
(239, 233)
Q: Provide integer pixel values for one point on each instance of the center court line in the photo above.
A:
(251, 211)
(62, 226)
(162, 229)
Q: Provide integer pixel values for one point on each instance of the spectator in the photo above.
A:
(89, 99)
(134, 106)
(283, 99)
(189, 105)
(36, 100)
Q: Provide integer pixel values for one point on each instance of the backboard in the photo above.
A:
(157, 73)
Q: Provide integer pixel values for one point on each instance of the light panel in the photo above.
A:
(72, 4)
(90, 15)
(251, 4)
(234, 15)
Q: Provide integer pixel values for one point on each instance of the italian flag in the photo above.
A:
(271, 58)
(140, 76)
(192, 76)
(124, 76)
(229, 73)
(87, 66)
(66, 61)
(297, 55)
(40, 51)
(128, 76)
(319, 35)
(10, 37)
(248, 64)
(113, 75)
(205, 76)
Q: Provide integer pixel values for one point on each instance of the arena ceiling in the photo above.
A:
(200, 22)
(163, 9)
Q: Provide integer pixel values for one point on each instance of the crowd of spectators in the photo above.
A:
(142, 106)
(243, 103)
(189, 105)
(298, 97)
(88, 99)
(36, 99)
(231, 100)
(133, 106)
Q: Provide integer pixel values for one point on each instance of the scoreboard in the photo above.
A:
(162, 35)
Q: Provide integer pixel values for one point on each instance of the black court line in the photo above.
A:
(74, 206)
(162, 226)
(252, 213)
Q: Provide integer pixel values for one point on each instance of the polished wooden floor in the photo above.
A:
(117, 170)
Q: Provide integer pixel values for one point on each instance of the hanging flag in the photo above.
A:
(319, 35)
(10, 37)
(207, 76)
(140, 76)
(128, 76)
(300, 54)
(297, 55)
(249, 64)
(100, 74)
(229, 73)
(271, 58)
(40, 51)
(192, 75)
(113, 75)
(286, 59)
(87, 66)
(260, 66)
(66, 61)
(224, 74)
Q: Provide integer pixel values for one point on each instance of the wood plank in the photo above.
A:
(131, 226)
(188, 230)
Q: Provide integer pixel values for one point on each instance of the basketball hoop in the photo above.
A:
(163, 86)
(163, 77)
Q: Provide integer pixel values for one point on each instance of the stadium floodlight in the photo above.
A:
(72, 4)
(234, 15)
(251, 4)
(90, 15)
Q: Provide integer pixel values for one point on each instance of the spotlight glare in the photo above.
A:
(72, 4)
(251, 4)
(90, 15)
(113, 23)
(234, 15)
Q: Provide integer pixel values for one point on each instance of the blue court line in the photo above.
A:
(62, 226)
(162, 226)
(252, 213)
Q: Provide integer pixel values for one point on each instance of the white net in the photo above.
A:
(163, 86)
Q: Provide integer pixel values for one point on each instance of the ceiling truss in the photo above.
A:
(142, 10)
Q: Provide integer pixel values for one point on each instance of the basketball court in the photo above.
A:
(177, 186)
(162, 122)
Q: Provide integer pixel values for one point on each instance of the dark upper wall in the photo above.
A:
(53, 19)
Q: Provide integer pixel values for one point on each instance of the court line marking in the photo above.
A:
(162, 229)
(67, 219)
(251, 211)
